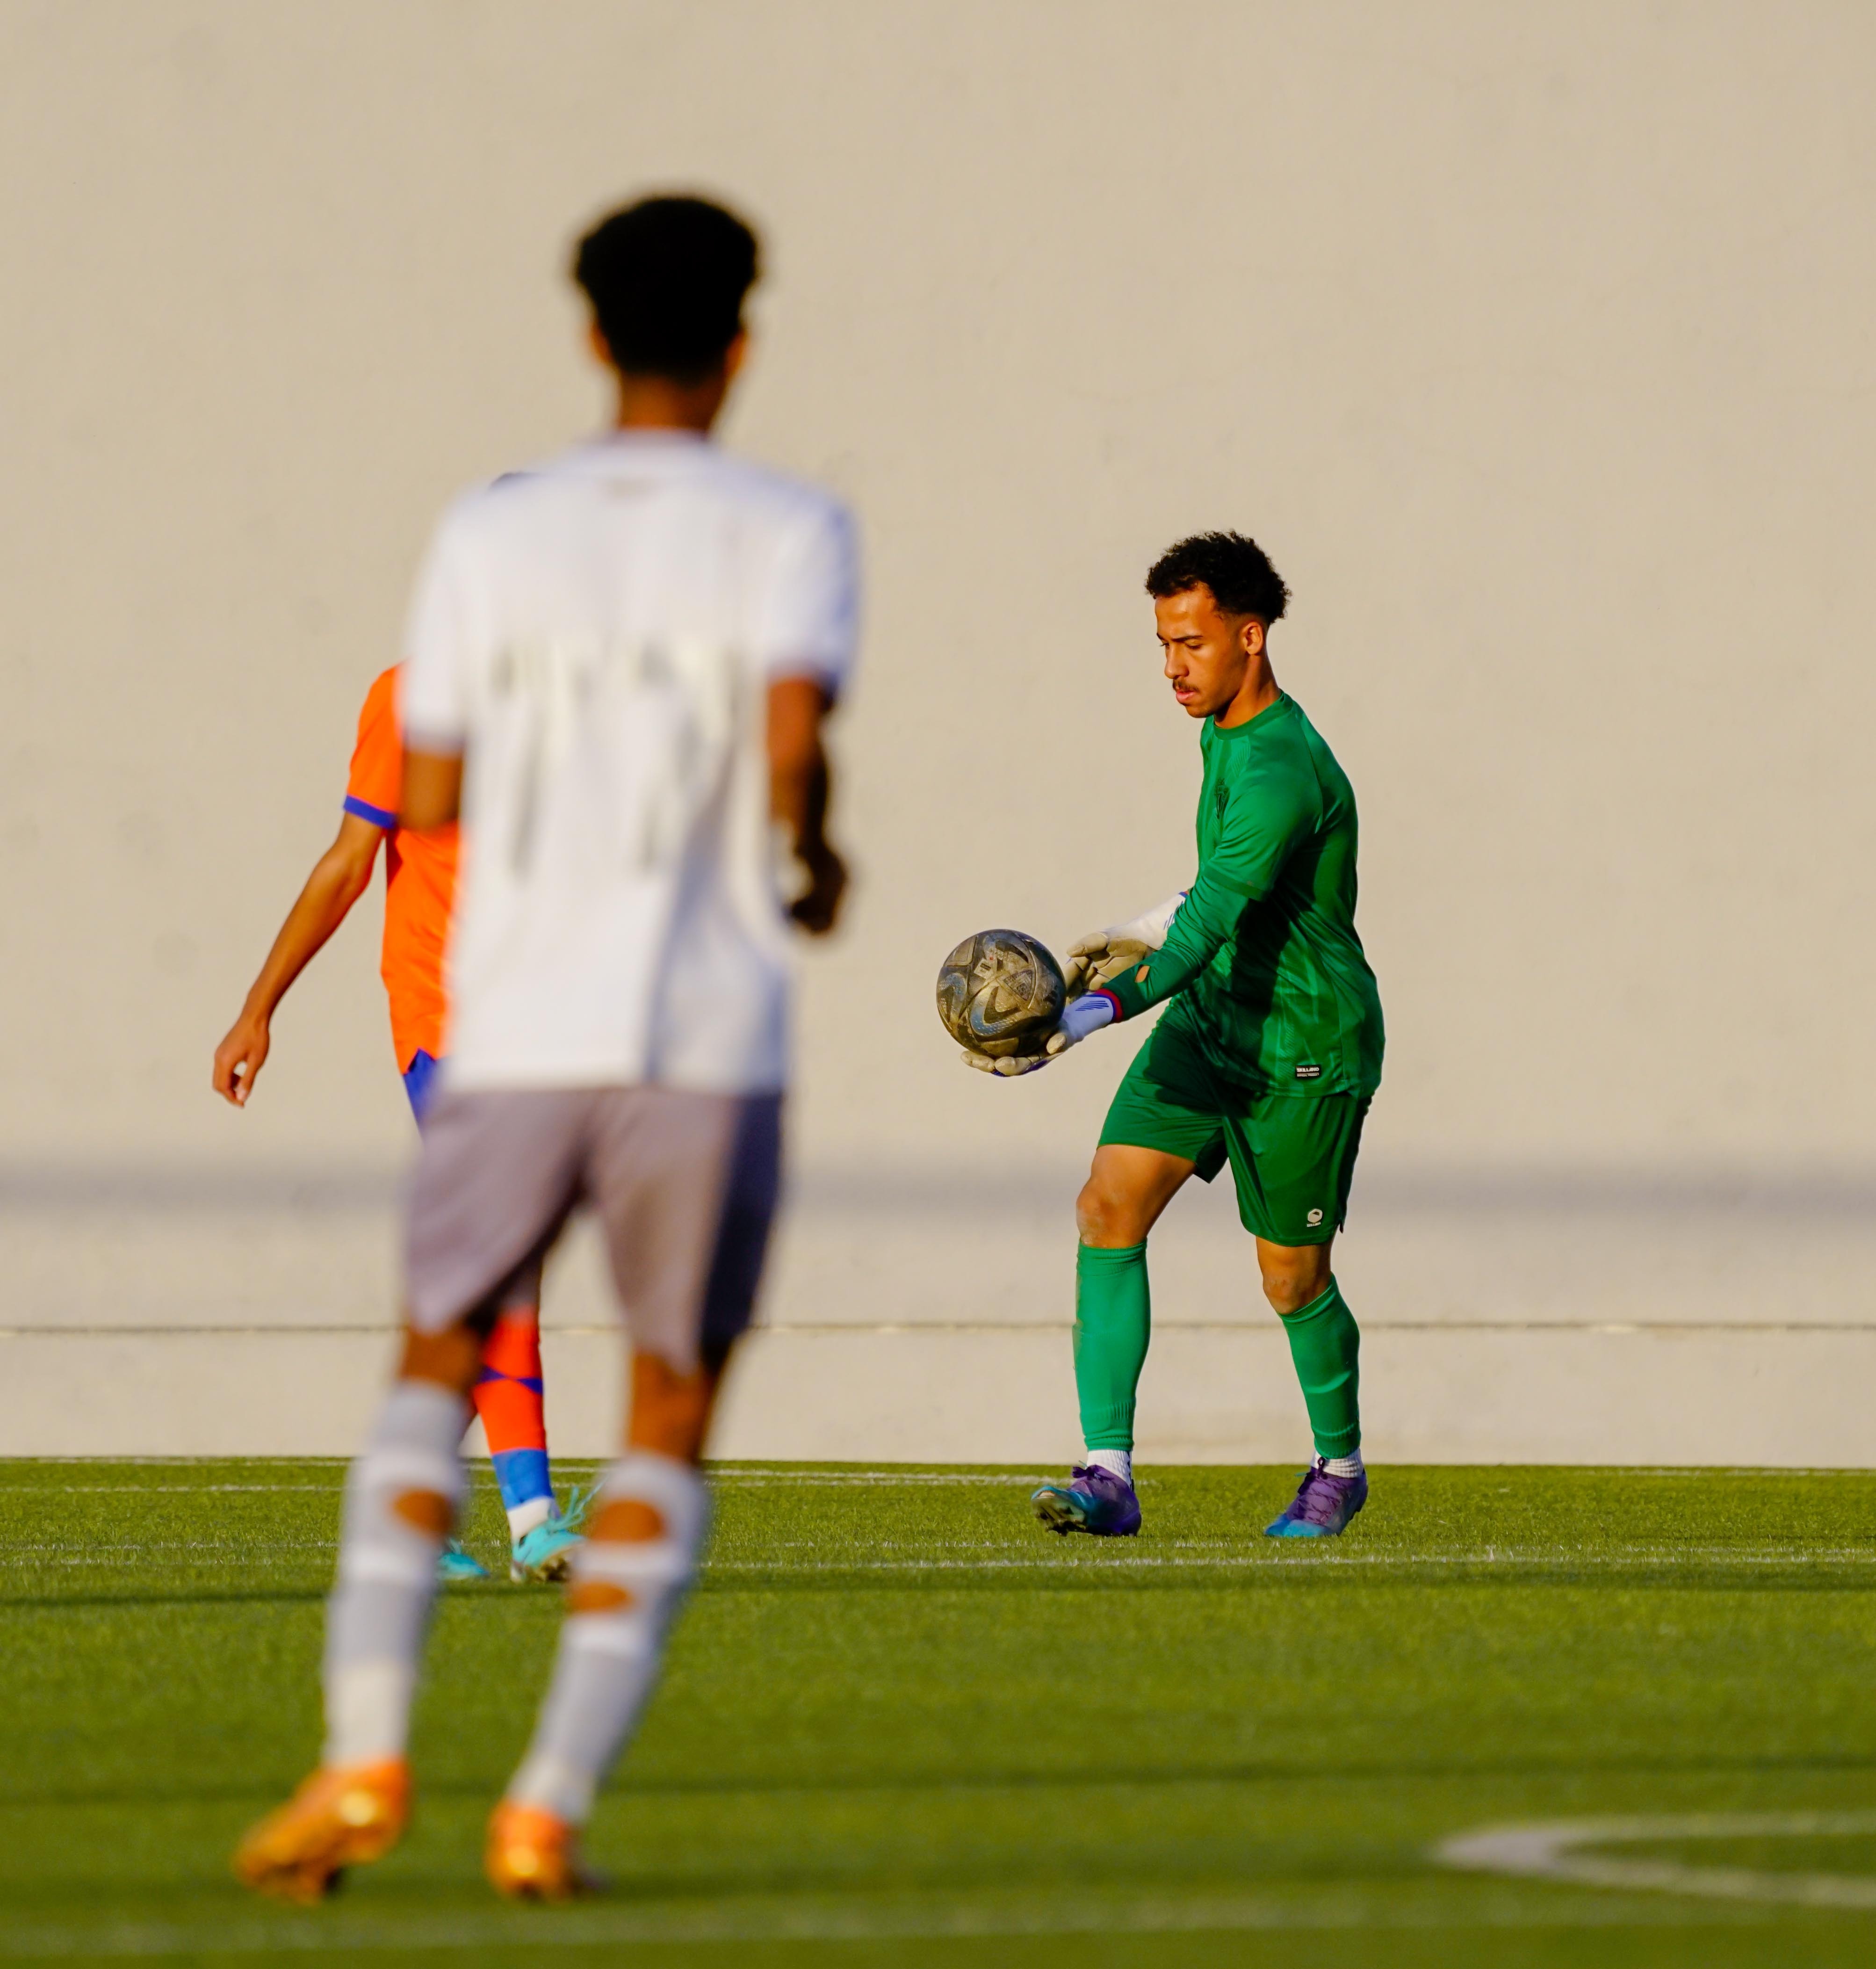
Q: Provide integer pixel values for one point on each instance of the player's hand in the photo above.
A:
(240, 1057)
(817, 908)
(1101, 957)
(1080, 1018)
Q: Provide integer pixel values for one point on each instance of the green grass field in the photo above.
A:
(902, 1725)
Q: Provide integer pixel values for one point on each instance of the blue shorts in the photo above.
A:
(419, 1076)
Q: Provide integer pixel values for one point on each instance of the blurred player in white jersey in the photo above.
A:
(617, 670)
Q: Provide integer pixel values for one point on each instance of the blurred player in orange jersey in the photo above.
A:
(420, 878)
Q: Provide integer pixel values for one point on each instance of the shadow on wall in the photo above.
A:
(1788, 1196)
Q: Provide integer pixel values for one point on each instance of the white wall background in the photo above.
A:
(1536, 344)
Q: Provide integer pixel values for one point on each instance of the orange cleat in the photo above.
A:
(532, 1856)
(342, 1816)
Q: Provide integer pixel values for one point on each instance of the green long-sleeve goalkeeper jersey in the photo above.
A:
(1262, 961)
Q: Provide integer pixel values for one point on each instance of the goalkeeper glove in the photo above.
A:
(1079, 1017)
(1100, 959)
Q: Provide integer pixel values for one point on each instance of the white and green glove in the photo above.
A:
(1080, 1018)
(1100, 958)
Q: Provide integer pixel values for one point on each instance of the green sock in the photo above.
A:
(1325, 1345)
(1113, 1318)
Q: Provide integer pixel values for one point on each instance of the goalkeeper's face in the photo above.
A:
(1209, 654)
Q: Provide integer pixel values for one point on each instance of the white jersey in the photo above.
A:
(598, 634)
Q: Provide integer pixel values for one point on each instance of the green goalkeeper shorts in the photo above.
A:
(1291, 1155)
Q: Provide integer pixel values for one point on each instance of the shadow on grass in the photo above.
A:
(265, 1791)
(1289, 1574)
(185, 1597)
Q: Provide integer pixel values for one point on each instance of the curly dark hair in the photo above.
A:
(1233, 565)
(666, 277)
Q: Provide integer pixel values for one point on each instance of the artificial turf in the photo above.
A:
(903, 1724)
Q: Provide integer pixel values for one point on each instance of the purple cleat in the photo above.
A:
(1322, 1507)
(1092, 1499)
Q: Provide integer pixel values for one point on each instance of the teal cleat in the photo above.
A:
(543, 1555)
(456, 1567)
(1094, 1500)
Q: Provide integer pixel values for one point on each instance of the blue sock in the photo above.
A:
(522, 1476)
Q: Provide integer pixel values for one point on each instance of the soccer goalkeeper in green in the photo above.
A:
(1266, 1056)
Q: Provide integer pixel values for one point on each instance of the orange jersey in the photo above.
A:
(420, 880)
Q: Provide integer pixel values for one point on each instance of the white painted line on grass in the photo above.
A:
(1078, 1559)
(866, 1477)
(822, 1329)
(807, 1477)
(808, 1919)
(1133, 1562)
(1552, 1850)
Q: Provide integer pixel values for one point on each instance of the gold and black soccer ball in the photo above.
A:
(1001, 994)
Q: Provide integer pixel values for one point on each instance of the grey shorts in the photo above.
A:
(684, 1185)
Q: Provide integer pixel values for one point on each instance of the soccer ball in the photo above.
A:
(1001, 994)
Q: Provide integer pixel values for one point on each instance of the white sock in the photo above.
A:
(609, 1655)
(380, 1604)
(523, 1518)
(1120, 1462)
(367, 1709)
(1351, 1465)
